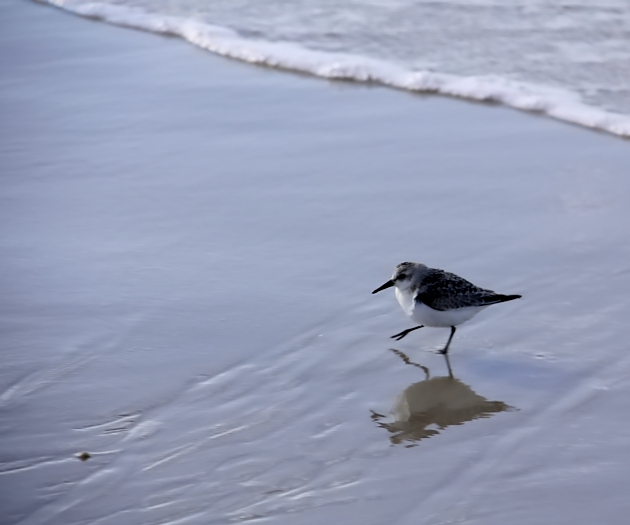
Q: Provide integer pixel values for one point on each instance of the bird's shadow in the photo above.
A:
(427, 407)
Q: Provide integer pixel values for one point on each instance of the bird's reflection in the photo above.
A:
(425, 408)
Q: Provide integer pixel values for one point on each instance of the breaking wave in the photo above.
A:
(558, 103)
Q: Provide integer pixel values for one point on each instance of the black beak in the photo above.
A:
(388, 284)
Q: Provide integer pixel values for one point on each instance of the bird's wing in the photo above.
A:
(442, 291)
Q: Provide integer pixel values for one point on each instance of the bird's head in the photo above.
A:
(402, 278)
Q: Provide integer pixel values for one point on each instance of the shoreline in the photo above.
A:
(555, 103)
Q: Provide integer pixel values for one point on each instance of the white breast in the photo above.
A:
(405, 299)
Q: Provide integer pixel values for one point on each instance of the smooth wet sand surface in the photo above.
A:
(188, 250)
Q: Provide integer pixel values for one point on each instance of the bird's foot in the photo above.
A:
(402, 334)
(399, 336)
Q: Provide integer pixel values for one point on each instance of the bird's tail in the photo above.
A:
(500, 298)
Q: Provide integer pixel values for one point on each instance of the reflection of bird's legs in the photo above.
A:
(445, 349)
(402, 334)
(408, 361)
(376, 416)
(448, 365)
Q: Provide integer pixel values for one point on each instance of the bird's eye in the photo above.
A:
(402, 276)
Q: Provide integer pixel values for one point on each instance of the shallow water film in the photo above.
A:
(189, 246)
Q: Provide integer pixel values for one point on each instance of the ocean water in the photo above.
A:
(567, 59)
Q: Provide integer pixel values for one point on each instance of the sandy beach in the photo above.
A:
(188, 248)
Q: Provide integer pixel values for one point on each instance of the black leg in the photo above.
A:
(444, 350)
(402, 334)
(448, 365)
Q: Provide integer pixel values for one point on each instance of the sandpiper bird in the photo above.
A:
(433, 297)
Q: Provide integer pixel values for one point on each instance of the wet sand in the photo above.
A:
(188, 250)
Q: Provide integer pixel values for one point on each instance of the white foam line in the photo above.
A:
(555, 102)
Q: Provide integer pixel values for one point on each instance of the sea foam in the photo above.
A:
(555, 102)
